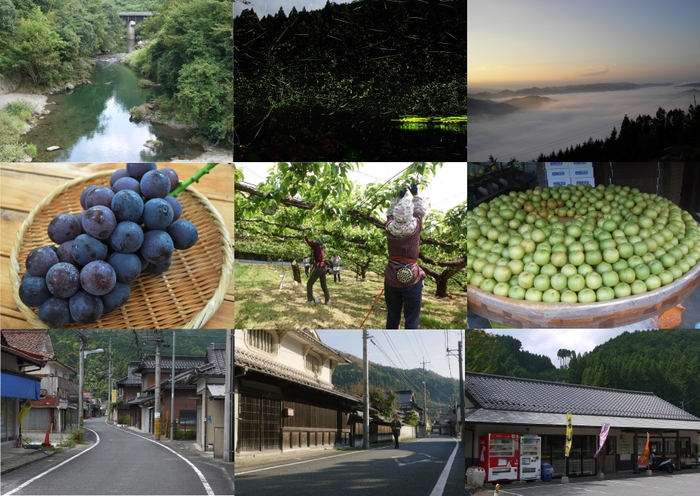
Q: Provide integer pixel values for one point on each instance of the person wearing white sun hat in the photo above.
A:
(403, 277)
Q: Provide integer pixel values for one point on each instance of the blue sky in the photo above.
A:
(264, 7)
(518, 43)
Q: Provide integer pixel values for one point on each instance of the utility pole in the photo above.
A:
(461, 391)
(109, 393)
(172, 391)
(425, 401)
(81, 380)
(365, 379)
(156, 414)
(228, 405)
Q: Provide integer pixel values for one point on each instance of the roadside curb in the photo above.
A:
(22, 461)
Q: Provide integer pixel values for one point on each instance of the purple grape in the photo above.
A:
(175, 204)
(55, 312)
(99, 196)
(118, 174)
(115, 298)
(63, 280)
(64, 227)
(65, 253)
(138, 169)
(127, 183)
(157, 214)
(172, 175)
(184, 234)
(155, 184)
(40, 260)
(86, 249)
(159, 268)
(127, 237)
(99, 222)
(127, 266)
(98, 278)
(84, 307)
(144, 262)
(85, 193)
(127, 205)
(33, 291)
(157, 247)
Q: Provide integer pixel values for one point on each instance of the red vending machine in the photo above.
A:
(498, 456)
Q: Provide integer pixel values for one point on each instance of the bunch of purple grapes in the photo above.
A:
(130, 227)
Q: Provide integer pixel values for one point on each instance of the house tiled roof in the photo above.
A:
(493, 392)
(181, 362)
(404, 399)
(132, 378)
(37, 342)
(26, 355)
(243, 358)
(215, 363)
(313, 336)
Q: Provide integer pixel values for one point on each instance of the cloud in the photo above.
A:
(603, 70)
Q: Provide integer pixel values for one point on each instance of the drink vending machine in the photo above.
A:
(498, 456)
(530, 457)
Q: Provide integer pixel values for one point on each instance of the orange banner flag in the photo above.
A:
(644, 458)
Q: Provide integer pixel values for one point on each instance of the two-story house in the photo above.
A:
(130, 389)
(284, 396)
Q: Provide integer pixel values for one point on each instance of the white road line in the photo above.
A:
(206, 485)
(442, 481)
(22, 486)
(236, 474)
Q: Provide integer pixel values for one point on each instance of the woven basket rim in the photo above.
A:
(197, 321)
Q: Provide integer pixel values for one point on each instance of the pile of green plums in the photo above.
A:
(579, 243)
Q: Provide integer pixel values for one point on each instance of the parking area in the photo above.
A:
(677, 484)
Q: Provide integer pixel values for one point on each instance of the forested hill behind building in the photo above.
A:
(442, 391)
(125, 349)
(665, 362)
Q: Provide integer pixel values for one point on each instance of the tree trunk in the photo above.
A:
(441, 278)
(296, 271)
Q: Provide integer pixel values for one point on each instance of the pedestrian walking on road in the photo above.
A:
(403, 277)
(396, 430)
(319, 271)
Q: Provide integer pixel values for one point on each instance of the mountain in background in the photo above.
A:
(529, 102)
(125, 349)
(687, 85)
(665, 362)
(488, 107)
(442, 391)
(575, 88)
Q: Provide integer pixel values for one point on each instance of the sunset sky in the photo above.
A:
(520, 43)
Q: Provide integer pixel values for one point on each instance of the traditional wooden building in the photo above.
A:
(283, 392)
(130, 389)
(498, 404)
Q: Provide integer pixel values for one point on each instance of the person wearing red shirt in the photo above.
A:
(318, 272)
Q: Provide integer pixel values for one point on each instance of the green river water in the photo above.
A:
(92, 123)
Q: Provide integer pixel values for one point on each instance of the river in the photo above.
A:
(92, 123)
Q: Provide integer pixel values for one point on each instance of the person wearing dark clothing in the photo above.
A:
(403, 277)
(396, 430)
(307, 265)
(318, 272)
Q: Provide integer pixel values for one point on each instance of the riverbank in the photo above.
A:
(212, 154)
(39, 101)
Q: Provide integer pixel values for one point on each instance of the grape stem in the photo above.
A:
(194, 179)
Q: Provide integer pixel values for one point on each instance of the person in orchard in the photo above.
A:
(336, 267)
(319, 270)
(307, 265)
(403, 278)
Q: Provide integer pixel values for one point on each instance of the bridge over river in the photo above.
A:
(128, 17)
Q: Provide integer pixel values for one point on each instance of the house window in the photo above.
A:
(188, 418)
(262, 340)
(312, 363)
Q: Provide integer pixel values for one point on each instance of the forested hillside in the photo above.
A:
(189, 53)
(50, 42)
(441, 390)
(126, 348)
(666, 362)
(503, 355)
(644, 138)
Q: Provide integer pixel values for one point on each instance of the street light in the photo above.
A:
(81, 380)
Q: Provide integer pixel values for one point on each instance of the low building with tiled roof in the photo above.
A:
(517, 406)
(130, 389)
(284, 393)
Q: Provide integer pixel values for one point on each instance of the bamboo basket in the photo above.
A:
(186, 296)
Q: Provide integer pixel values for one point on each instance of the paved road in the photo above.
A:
(679, 484)
(121, 462)
(414, 470)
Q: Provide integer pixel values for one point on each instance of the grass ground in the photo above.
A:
(260, 304)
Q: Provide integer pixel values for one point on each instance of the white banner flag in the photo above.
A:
(603, 436)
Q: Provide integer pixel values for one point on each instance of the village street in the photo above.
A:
(415, 469)
(121, 462)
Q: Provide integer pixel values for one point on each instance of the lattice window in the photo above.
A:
(262, 340)
(313, 363)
